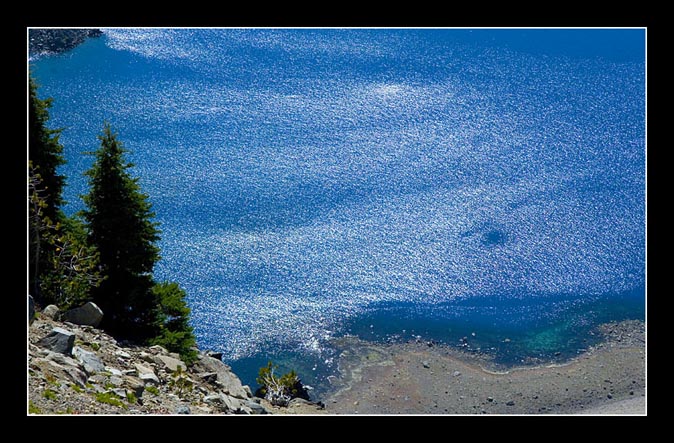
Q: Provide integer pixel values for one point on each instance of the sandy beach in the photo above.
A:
(415, 378)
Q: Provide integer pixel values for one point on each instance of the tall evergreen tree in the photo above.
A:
(45, 152)
(45, 156)
(120, 225)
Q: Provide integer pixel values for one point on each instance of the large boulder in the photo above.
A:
(51, 311)
(88, 315)
(58, 340)
(92, 364)
(226, 379)
(31, 309)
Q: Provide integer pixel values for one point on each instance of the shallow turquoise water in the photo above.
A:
(313, 183)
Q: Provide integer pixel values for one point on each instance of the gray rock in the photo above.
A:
(456, 373)
(97, 379)
(64, 367)
(212, 399)
(59, 340)
(170, 363)
(255, 408)
(31, 309)
(89, 360)
(119, 392)
(146, 374)
(425, 364)
(226, 379)
(510, 403)
(208, 377)
(113, 371)
(134, 384)
(88, 315)
(149, 358)
(61, 359)
(157, 349)
(123, 354)
(51, 311)
(116, 381)
(490, 399)
(223, 402)
(76, 375)
(231, 403)
(183, 409)
(149, 379)
(300, 402)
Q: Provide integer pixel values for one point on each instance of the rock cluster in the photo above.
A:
(78, 369)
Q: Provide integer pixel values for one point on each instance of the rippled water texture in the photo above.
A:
(304, 178)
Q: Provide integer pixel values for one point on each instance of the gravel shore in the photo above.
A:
(414, 378)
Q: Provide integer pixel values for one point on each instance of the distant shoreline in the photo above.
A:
(413, 378)
(57, 41)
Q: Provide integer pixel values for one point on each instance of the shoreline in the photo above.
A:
(415, 378)
(53, 41)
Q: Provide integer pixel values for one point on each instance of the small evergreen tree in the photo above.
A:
(175, 332)
(120, 225)
(72, 269)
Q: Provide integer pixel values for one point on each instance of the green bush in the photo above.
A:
(32, 409)
(49, 394)
(180, 382)
(152, 390)
(110, 399)
(175, 332)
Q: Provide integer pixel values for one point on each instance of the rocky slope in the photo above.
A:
(78, 369)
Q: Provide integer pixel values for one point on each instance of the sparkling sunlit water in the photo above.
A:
(312, 183)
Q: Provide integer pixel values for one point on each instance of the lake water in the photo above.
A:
(384, 183)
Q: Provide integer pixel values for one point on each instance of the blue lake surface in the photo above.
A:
(378, 182)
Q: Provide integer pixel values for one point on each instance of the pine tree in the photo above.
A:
(120, 225)
(45, 156)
